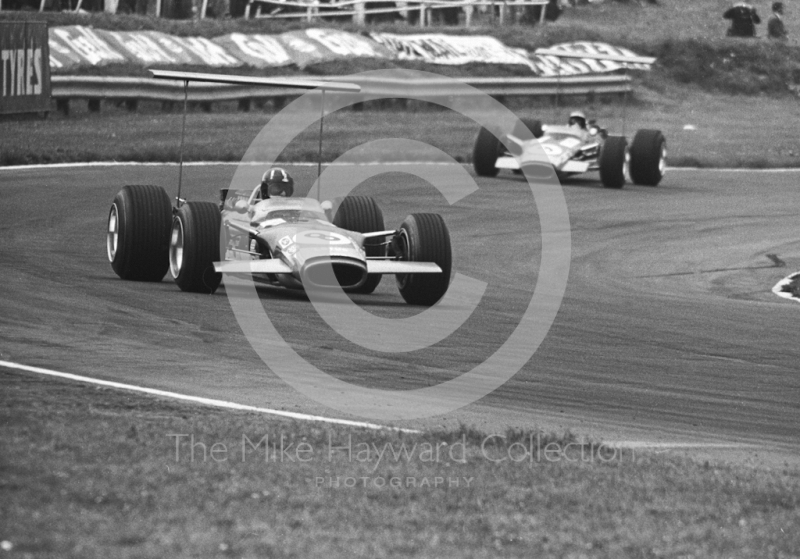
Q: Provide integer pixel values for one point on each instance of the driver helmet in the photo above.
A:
(276, 182)
(577, 117)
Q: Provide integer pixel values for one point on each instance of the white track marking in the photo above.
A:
(778, 289)
(658, 447)
(736, 169)
(314, 164)
(198, 399)
(210, 164)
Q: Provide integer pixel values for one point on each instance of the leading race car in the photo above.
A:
(573, 149)
(283, 241)
(286, 241)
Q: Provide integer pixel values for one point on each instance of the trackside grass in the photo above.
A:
(701, 130)
(90, 472)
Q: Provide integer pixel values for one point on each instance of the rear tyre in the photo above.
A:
(535, 127)
(194, 247)
(363, 215)
(648, 157)
(424, 237)
(485, 152)
(612, 162)
(137, 239)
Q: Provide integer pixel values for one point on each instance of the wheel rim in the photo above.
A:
(112, 238)
(662, 162)
(402, 279)
(176, 248)
(626, 165)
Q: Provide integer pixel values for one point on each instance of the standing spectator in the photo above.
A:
(743, 18)
(775, 27)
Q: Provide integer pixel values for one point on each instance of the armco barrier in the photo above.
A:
(94, 88)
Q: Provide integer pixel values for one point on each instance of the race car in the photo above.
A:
(292, 242)
(572, 150)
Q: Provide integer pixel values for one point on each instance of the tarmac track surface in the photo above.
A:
(668, 332)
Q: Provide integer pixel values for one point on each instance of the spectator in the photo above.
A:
(775, 27)
(743, 18)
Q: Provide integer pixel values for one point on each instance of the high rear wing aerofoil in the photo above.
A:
(186, 77)
(625, 60)
(299, 83)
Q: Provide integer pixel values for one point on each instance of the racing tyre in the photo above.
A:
(194, 247)
(363, 215)
(424, 237)
(535, 126)
(485, 153)
(137, 239)
(612, 162)
(648, 157)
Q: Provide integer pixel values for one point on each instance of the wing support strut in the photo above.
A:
(178, 199)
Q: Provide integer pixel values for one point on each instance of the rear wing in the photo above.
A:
(299, 83)
(626, 60)
(232, 79)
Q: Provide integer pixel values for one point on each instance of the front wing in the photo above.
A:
(277, 266)
(512, 163)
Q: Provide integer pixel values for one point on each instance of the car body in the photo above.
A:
(569, 149)
(292, 242)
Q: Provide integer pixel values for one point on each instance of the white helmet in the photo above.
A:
(577, 117)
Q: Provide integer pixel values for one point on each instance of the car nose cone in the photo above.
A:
(346, 273)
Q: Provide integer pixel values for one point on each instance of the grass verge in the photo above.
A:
(702, 130)
(92, 472)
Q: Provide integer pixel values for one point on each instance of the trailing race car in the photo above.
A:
(293, 242)
(572, 150)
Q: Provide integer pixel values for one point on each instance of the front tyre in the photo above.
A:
(424, 237)
(612, 161)
(485, 153)
(648, 157)
(137, 237)
(194, 247)
(363, 215)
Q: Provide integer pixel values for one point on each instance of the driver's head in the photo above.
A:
(577, 118)
(276, 182)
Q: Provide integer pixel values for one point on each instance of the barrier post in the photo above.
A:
(360, 17)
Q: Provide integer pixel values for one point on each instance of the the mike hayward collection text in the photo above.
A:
(285, 449)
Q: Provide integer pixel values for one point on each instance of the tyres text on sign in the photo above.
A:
(24, 67)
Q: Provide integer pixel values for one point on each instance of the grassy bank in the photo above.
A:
(701, 129)
(89, 472)
(687, 37)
